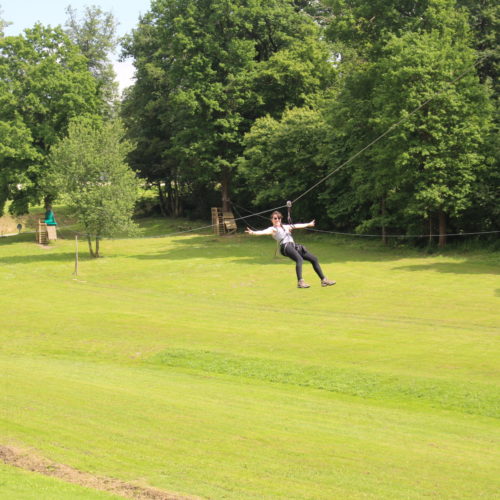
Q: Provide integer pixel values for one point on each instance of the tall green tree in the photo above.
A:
(205, 72)
(426, 168)
(484, 16)
(283, 158)
(485, 23)
(95, 34)
(89, 169)
(44, 82)
(3, 22)
(365, 26)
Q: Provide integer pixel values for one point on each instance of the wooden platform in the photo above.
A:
(45, 233)
(223, 222)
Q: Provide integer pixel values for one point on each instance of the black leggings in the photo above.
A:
(299, 253)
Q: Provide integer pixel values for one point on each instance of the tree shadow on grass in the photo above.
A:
(253, 250)
(465, 267)
(49, 253)
(41, 257)
(17, 238)
(231, 251)
(29, 237)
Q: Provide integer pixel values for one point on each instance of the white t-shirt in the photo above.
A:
(283, 234)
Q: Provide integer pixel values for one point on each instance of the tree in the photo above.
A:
(205, 72)
(44, 82)
(317, 9)
(16, 151)
(3, 23)
(95, 35)
(282, 158)
(365, 25)
(484, 18)
(88, 167)
(428, 166)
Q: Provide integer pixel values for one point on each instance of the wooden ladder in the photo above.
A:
(223, 222)
(217, 221)
(42, 235)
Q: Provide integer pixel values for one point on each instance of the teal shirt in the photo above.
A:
(49, 218)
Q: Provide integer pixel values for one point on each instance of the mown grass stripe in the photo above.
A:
(478, 399)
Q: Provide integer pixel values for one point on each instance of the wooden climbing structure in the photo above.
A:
(45, 233)
(223, 222)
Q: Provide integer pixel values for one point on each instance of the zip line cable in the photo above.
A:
(392, 127)
(369, 145)
(199, 228)
(235, 208)
(289, 204)
(379, 235)
(258, 214)
(400, 235)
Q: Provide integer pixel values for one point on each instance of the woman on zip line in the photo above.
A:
(282, 233)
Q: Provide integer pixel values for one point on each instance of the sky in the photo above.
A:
(25, 13)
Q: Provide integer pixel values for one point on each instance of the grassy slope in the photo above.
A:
(18, 484)
(195, 365)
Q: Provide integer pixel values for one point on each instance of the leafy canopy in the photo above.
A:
(89, 167)
(44, 83)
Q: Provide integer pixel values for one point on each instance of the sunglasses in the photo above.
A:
(276, 218)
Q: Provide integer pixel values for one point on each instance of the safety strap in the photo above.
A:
(277, 252)
(289, 207)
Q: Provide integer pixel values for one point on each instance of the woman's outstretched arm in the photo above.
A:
(269, 230)
(302, 225)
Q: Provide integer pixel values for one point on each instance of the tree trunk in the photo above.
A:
(382, 211)
(226, 201)
(47, 201)
(177, 201)
(442, 229)
(174, 202)
(163, 200)
(91, 250)
(170, 198)
(93, 253)
(430, 229)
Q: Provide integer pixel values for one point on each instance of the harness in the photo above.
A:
(282, 246)
(289, 207)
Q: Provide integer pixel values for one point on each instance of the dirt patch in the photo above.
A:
(35, 463)
(8, 224)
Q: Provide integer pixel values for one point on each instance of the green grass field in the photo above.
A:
(192, 364)
(18, 484)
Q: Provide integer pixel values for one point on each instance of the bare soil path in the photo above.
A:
(36, 463)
